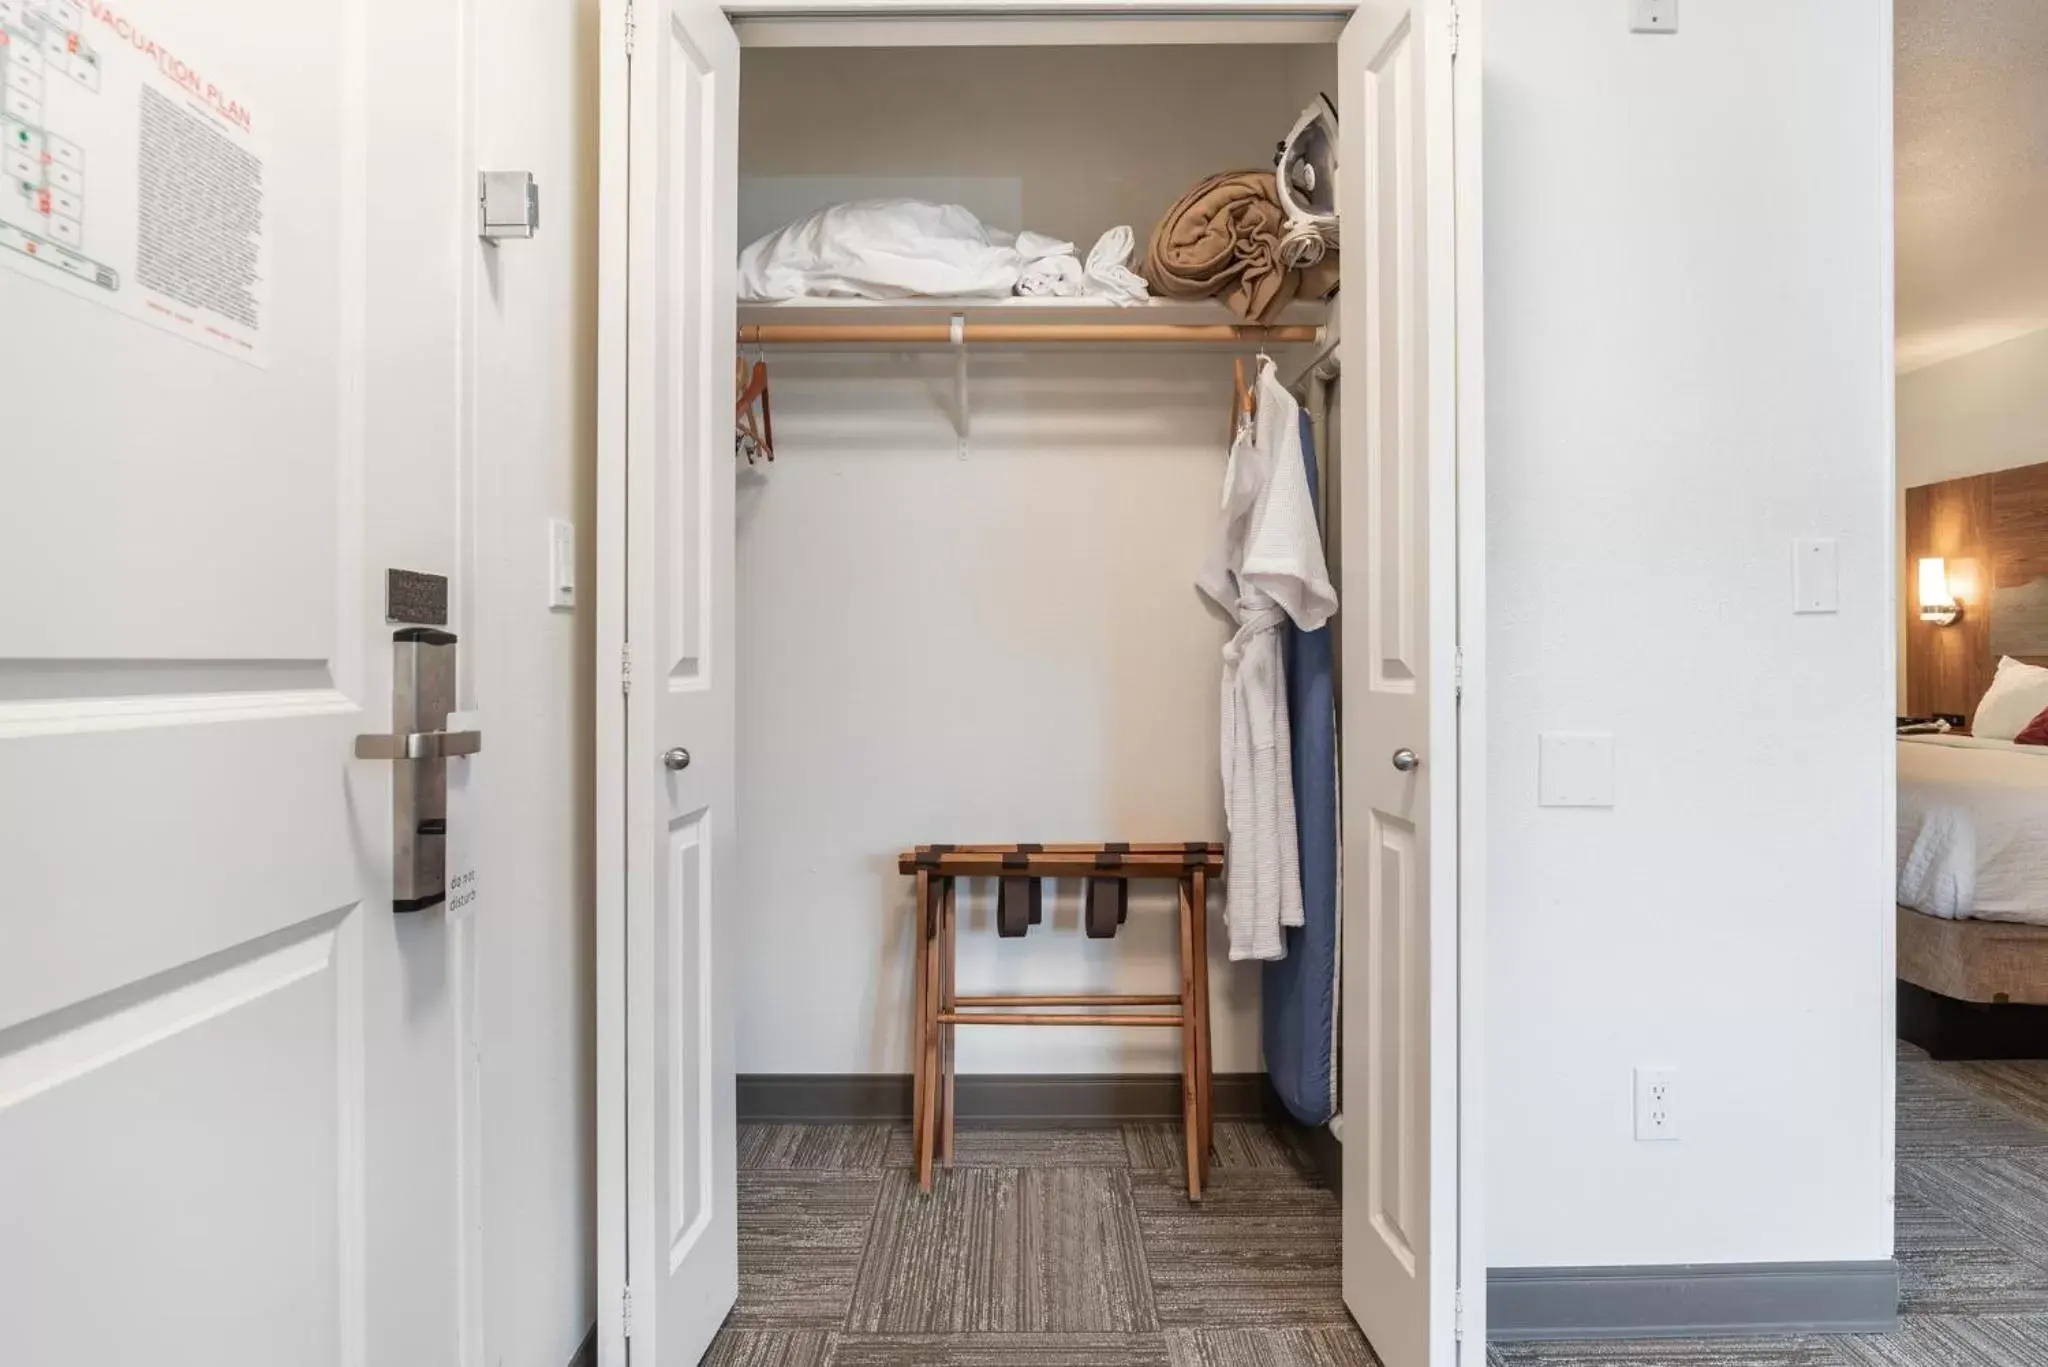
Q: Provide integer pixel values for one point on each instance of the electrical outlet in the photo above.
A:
(1653, 16)
(1656, 1103)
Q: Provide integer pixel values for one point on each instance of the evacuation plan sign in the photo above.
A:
(129, 176)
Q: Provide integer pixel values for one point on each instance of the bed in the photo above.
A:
(1973, 897)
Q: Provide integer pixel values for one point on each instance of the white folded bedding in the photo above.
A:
(1973, 828)
(890, 249)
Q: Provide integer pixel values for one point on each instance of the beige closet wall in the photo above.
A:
(1006, 646)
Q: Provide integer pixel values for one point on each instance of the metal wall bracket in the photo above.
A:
(507, 205)
(961, 423)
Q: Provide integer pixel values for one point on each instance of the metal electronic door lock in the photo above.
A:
(422, 696)
(507, 205)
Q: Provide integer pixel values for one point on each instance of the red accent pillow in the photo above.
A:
(2034, 732)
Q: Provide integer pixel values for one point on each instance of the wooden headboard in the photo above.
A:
(1993, 531)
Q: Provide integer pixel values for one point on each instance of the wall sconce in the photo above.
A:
(1937, 603)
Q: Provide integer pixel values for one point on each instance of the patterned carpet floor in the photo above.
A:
(1078, 1248)
(1039, 1248)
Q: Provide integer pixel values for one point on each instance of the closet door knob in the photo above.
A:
(678, 758)
(1406, 761)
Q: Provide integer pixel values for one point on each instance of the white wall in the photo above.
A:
(1686, 352)
(1984, 411)
(535, 426)
(1977, 413)
(1006, 647)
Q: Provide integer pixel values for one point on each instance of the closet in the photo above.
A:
(959, 603)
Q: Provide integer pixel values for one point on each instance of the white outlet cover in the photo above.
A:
(1656, 1104)
(1575, 769)
(1653, 16)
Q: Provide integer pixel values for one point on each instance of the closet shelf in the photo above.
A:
(903, 323)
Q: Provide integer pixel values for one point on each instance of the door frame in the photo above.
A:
(1467, 158)
(613, 665)
(614, 211)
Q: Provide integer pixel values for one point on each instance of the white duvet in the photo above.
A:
(1973, 828)
(913, 248)
(891, 249)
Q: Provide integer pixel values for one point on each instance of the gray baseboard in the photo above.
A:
(1707, 1300)
(586, 1352)
(1004, 1098)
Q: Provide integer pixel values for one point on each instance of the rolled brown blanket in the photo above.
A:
(1223, 238)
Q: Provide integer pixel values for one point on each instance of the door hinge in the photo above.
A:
(1458, 1315)
(626, 667)
(625, 1312)
(1454, 29)
(1458, 674)
(632, 27)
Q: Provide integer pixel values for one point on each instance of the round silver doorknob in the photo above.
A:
(1406, 761)
(678, 758)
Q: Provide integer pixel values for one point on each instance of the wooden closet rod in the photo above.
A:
(805, 334)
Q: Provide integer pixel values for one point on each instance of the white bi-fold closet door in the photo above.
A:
(669, 903)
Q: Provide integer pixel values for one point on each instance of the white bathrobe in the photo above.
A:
(1266, 566)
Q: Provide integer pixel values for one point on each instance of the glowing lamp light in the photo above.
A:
(1937, 602)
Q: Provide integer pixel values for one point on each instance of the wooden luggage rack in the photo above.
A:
(1108, 870)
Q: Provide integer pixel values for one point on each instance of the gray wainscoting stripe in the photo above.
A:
(586, 1352)
(1691, 1301)
(1007, 1098)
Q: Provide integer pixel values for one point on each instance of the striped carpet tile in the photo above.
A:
(1002, 1350)
(801, 1236)
(1262, 1249)
(993, 1146)
(1761, 1352)
(770, 1348)
(1239, 1144)
(1946, 1266)
(1328, 1346)
(825, 1148)
(2019, 1086)
(1004, 1250)
(1938, 1115)
(2002, 1195)
(1952, 1341)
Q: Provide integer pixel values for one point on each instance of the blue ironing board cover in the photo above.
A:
(1299, 993)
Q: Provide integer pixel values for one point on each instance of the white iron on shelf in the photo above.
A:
(1305, 172)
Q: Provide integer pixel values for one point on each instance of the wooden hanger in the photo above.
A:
(1243, 400)
(753, 435)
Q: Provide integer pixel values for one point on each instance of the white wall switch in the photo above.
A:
(561, 563)
(1816, 584)
(1575, 769)
(1653, 16)
(1656, 1103)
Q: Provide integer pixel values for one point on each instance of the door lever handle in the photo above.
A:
(420, 745)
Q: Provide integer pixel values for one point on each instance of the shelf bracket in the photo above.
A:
(960, 409)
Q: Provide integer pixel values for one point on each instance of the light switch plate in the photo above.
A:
(1816, 582)
(561, 563)
(1575, 769)
(1653, 16)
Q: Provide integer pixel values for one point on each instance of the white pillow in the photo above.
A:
(2018, 694)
